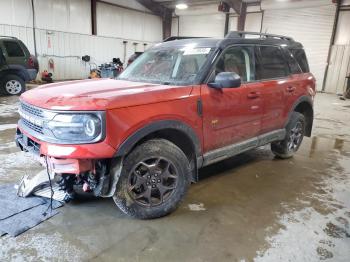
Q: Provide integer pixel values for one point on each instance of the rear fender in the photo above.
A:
(18, 70)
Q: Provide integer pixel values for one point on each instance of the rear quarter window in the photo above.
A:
(300, 56)
(271, 63)
(13, 49)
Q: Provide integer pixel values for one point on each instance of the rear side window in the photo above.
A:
(13, 49)
(292, 62)
(299, 55)
(271, 63)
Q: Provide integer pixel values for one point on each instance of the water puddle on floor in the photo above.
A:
(315, 226)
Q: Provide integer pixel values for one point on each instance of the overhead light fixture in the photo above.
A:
(181, 6)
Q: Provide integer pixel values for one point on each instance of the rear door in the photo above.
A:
(273, 73)
(14, 53)
(232, 115)
(2, 59)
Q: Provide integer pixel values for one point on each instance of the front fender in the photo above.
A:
(132, 140)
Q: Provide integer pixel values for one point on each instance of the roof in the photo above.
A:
(234, 37)
(8, 37)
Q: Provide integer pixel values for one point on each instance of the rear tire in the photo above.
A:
(12, 85)
(153, 181)
(295, 131)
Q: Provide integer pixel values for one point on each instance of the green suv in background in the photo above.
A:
(17, 66)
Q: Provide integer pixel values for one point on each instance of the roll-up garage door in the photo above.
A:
(311, 25)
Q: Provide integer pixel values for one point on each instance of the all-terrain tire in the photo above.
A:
(12, 85)
(154, 160)
(295, 131)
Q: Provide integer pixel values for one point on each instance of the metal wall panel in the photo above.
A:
(202, 20)
(202, 25)
(129, 24)
(63, 33)
(253, 22)
(233, 23)
(342, 36)
(66, 49)
(174, 26)
(339, 68)
(64, 15)
(312, 26)
(283, 4)
(16, 12)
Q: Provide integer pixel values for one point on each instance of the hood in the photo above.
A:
(101, 94)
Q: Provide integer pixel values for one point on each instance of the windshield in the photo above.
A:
(173, 66)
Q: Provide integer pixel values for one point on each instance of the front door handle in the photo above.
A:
(291, 89)
(253, 95)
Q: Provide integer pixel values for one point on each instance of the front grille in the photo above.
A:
(32, 126)
(35, 111)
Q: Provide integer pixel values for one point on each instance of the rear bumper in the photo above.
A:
(68, 159)
(32, 73)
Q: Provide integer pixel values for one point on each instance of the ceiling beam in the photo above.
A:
(236, 5)
(162, 11)
(154, 7)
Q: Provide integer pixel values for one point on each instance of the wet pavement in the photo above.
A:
(252, 207)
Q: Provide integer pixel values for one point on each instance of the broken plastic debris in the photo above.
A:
(196, 207)
(39, 185)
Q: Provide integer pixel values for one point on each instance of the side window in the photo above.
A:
(292, 62)
(299, 55)
(13, 49)
(240, 60)
(271, 63)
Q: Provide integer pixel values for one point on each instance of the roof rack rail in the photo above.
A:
(172, 38)
(7, 36)
(242, 34)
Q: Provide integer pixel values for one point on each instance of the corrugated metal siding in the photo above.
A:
(339, 68)
(312, 26)
(66, 49)
(211, 25)
(201, 20)
(63, 33)
(253, 22)
(128, 24)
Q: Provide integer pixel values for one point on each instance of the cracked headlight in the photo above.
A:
(76, 127)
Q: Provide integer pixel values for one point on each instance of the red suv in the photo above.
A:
(181, 105)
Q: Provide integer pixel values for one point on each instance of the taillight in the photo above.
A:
(31, 62)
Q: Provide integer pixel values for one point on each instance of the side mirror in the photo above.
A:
(226, 80)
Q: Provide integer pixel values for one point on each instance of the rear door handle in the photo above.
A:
(253, 95)
(291, 89)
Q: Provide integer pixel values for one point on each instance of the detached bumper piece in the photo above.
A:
(39, 185)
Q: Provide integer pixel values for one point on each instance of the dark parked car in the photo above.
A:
(17, 66)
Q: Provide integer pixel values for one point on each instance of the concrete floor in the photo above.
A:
(250, 207)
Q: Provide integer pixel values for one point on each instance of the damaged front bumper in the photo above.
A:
(67, 159)
(77, 160)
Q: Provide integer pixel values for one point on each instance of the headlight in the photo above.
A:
(76, 127)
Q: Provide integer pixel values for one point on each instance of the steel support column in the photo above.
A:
(93, 17)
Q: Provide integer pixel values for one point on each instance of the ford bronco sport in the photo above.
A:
(181, 105)
(17, 66)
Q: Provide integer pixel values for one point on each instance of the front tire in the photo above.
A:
(153, 181)
(295, 131)
(12, 85)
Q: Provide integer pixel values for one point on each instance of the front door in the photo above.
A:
(232, 115)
